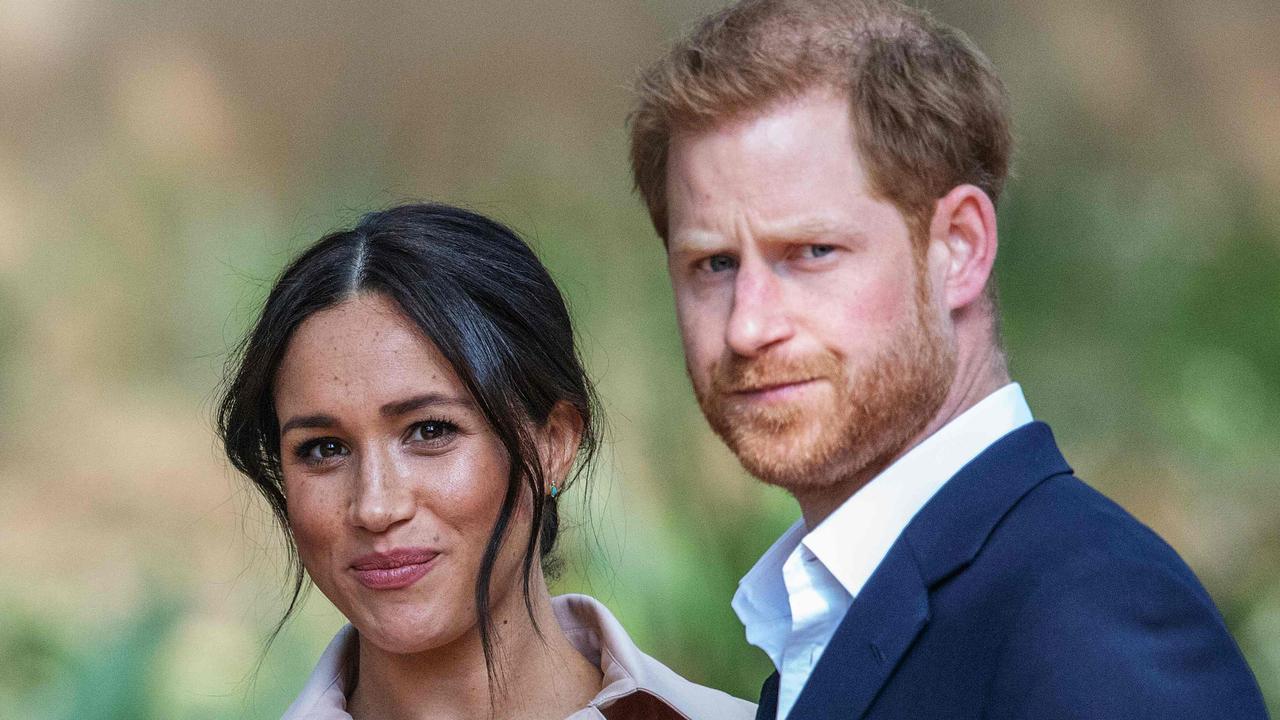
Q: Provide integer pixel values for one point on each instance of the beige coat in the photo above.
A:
(634, 686)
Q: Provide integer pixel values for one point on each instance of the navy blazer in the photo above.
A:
(1019, 592)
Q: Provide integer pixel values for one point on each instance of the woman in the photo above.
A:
(411, 405)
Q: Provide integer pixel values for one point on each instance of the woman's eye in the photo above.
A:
(719, 263)
(432, 431)
(322, 449)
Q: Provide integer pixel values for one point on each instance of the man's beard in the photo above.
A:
(855, 429)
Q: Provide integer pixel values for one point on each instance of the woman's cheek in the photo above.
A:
(470, 488)
(314, 519)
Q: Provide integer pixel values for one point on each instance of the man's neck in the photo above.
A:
(976, 378)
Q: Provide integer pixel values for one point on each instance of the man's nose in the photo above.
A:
(382, 496)
(759, 318)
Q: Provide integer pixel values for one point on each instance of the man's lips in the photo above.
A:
(772, 388)
(398, 568)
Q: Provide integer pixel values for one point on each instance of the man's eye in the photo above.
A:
(719, 263)
(818, 251)
(431, 430)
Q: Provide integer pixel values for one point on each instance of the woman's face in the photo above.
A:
(393, 477)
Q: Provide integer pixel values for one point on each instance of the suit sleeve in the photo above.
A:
(1135, 639)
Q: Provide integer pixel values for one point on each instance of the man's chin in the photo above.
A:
(789, 463)
(814, 459)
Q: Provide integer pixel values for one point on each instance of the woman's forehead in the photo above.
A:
(364, 345)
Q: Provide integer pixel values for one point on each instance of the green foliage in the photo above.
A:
(157, 169)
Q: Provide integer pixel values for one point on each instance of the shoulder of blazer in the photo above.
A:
(893, 608)
(955, 524)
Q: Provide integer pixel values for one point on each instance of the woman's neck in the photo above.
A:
(537, 677)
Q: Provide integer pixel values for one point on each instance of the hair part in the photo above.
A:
(480, 295)
(928, 110)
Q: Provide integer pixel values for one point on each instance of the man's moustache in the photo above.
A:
(743, 375)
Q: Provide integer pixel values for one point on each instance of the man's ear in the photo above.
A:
(558, 443)
(964, 229)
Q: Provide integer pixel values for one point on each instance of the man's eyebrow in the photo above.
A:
(693, 241)
(308, 421)
(805, 230)
(801, 230)
(417, 402)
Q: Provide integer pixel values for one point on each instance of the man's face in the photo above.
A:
(816, 347)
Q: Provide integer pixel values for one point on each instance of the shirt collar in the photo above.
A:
(324, 696)
(761, 601)
(853, 540)
(871, 520)
(592, 630)
(600, 638)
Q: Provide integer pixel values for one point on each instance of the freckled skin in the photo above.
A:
(391, 490)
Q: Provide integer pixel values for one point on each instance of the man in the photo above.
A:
(824, 176)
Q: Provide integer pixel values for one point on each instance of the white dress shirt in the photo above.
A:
(795, 596)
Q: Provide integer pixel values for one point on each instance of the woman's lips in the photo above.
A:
(393, 570)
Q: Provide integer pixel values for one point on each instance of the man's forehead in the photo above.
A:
(790, 145)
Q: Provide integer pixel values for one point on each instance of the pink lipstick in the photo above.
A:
(393, 570)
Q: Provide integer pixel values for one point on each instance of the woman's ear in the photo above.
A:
(558, 443)
(964, 229)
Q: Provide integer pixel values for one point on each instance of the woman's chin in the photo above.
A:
(398, 634)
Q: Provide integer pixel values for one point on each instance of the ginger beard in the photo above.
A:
(869, 414)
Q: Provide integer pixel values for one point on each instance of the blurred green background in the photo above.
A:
(160, 161)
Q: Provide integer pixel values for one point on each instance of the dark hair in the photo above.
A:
(477, 291)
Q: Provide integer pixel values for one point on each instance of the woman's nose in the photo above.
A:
(382, 496)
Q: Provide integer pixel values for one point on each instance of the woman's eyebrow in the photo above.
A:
(308, 421)
(391, 409)
(417, 402)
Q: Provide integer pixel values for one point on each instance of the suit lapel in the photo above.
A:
(950, 530)
(882, 623)
(768, 709)
(893, 607)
